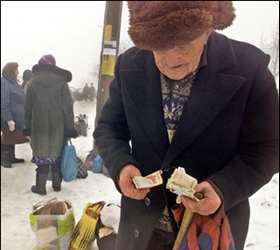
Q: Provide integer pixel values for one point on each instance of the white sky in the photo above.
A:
(72, 32)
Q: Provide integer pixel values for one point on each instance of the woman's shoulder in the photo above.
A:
(66, 74)
(6, 80)
(135, 57)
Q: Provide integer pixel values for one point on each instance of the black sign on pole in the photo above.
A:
(109, 52)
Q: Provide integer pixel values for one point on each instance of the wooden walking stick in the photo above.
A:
(186, 220)
(188, 215)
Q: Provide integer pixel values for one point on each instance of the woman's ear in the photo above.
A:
(208, 33)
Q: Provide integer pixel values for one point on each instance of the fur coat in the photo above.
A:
(48, 110)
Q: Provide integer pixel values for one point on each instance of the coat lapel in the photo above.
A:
(145, 95)
(211, 92)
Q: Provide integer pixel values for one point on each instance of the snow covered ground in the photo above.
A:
(17, 199)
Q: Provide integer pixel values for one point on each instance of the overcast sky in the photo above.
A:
(72, 32)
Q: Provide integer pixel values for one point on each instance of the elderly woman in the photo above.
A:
(12, 108)
(48, 120)
(186, 96)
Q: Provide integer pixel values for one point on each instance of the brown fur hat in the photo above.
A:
(161, 25)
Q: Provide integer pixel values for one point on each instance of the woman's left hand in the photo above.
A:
(209, 204)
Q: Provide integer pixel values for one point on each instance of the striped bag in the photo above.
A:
(84, 232)
(204, 232)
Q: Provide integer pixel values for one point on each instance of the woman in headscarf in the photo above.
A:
(48, 120)
(12, 107)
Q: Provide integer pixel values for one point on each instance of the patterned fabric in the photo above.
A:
(174, 95)
(208, 232)
(45, 160)
(82, 169)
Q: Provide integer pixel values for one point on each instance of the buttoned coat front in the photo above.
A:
(228, 133)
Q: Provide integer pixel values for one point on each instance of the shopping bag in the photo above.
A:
(82, 124)
(89, 160)
(97, 164)
(52, 222)
(84, 232)
(82, 169)
(68, 163)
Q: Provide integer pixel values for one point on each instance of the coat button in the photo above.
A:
(147, 201)
(136, 233)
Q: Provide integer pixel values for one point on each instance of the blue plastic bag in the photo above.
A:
(97, 164)
(68, 163)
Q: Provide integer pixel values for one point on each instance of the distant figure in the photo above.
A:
(12, 107)
(91, 92)
(27, 74)
(86, 92)
(48, 120)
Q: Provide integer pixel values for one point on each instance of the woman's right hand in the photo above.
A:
(11, 125)
(127, 186)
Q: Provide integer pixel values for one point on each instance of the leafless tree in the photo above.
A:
(124, 45)
(95, 71)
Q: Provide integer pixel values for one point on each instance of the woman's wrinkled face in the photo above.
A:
(178, 62)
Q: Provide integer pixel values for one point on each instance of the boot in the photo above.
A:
(40, 187)
(5, 156)
(56, 177)
(56, 181)
(13, 159)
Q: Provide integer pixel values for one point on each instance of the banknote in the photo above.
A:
(149, 181)
(181, 183)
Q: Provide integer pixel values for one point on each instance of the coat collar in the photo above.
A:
(211, 92)
(67, 75)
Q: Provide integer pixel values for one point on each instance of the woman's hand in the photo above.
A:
(11, 125)
(127, 186)
(210, 202)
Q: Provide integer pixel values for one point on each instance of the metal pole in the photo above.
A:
(109, 52)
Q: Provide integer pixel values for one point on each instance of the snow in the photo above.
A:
(17, 199)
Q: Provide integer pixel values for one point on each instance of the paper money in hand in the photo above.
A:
(151, 180)
(181, 183)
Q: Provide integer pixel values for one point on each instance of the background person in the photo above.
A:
(12, 105)
(187, 96)
(48, 120)
(26, 76)
(86, 92)
(91, 92)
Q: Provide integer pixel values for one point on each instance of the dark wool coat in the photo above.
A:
(48, 110)
(228, 133)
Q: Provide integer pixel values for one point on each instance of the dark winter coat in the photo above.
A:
(228, 133)
(26, 76)
(12, 102)
(48, 110)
